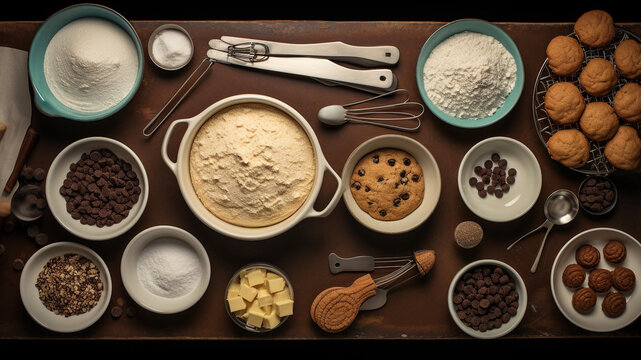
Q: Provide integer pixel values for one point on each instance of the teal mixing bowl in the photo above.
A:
(44, 99)
(482, 27)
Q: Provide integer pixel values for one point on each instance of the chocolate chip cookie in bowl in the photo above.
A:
(97, 188)
(392, 183)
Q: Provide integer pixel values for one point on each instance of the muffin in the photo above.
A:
(595, 28)
(388, 184)
(600, 280)
(599, 122)
(584, 299)
(598, 77)
(627, 102)
(573, 276)
(624, 149)
(614, 251)
(569, 147)
(588, 256)
(623, 279)
(627, 58)
(564, 103)
(565, 55)
(613, 304)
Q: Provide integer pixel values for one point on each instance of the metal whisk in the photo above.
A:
(248, 51)
(376, 115)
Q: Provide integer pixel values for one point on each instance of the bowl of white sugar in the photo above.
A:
(470, 73)
(85, 63)
(165, 269)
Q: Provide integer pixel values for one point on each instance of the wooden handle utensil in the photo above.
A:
(28, 142)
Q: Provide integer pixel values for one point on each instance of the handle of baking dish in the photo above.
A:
(173, 166)
(337, 195)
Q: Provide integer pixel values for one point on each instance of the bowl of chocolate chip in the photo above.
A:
(97, 188)
(597, 195)
(499, 179)
(487, 299)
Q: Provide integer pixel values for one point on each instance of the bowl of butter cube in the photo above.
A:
(259, 297)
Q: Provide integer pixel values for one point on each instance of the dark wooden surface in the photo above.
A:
(418, 309)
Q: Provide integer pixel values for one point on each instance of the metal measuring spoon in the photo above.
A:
(560, 208)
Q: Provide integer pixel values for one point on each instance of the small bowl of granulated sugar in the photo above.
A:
(165, 269)
(170, 47)
(470, 73)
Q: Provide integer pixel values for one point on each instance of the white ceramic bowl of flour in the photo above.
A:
(474, 74)
(165, 269)
(85, 63)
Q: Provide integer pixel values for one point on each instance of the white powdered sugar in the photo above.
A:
(90, 64)
(469, 75)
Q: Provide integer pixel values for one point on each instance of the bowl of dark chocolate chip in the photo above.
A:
(499, 179)
(392, 183)
(597, 195)
(487, 299)
(97, 188)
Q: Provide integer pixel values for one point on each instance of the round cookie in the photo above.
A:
(623, 279)
(614, 251)
(565, 55)
(584, 299)
(600, 280)
(564, 103)
(624, 149)
(599, 122)
(573, 276)
(588, 256)
(569, 147)
(627, 102)
(627, 58)
(613, 304)
(388, 184)
(598, 77)
(595, 28)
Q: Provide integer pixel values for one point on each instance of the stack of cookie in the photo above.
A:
(596, 99)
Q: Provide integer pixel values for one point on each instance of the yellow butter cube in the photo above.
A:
(275, 284)
(284, 307)
(255, 317)
(264, 298)
(255, 277)
(282, 295)
(271, 320)
(234, 289)
(236, 303)
(247, 292)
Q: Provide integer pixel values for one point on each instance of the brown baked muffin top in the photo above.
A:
(565, 55)
(584, 299)
(573, 276)
(599, 122)
(627, 58)
(624, 149)
(598, 77)
(600, 280)
(564, 103)
(623, 278)
(627, 102)
(614, 304)
(595, 28)
(570, 147)
(588, 256)
(614, 251)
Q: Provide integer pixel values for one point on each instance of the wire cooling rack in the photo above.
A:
(597, 163)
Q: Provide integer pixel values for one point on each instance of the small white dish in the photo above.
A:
(522, 195)
(58, 172)
(431, 176)
(506, 327)
(31, 299)
(172, 46)
(139, 293)
(596, 320)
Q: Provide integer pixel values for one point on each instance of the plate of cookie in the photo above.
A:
(593, 279)
(585, 100)
(392, 183)
(499, 179)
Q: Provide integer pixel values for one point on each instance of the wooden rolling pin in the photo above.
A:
(28, 142)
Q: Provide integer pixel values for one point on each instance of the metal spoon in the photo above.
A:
(560, 208)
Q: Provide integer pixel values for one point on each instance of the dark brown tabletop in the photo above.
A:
(418, 309)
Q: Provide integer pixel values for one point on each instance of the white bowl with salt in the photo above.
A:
(165, 269)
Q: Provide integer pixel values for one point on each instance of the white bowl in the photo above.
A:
(596, 320)
(180, 168)
(58, 172)
(139, 293)
(522, 195)
(31, 299)
(506, 327)
(431, 176)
